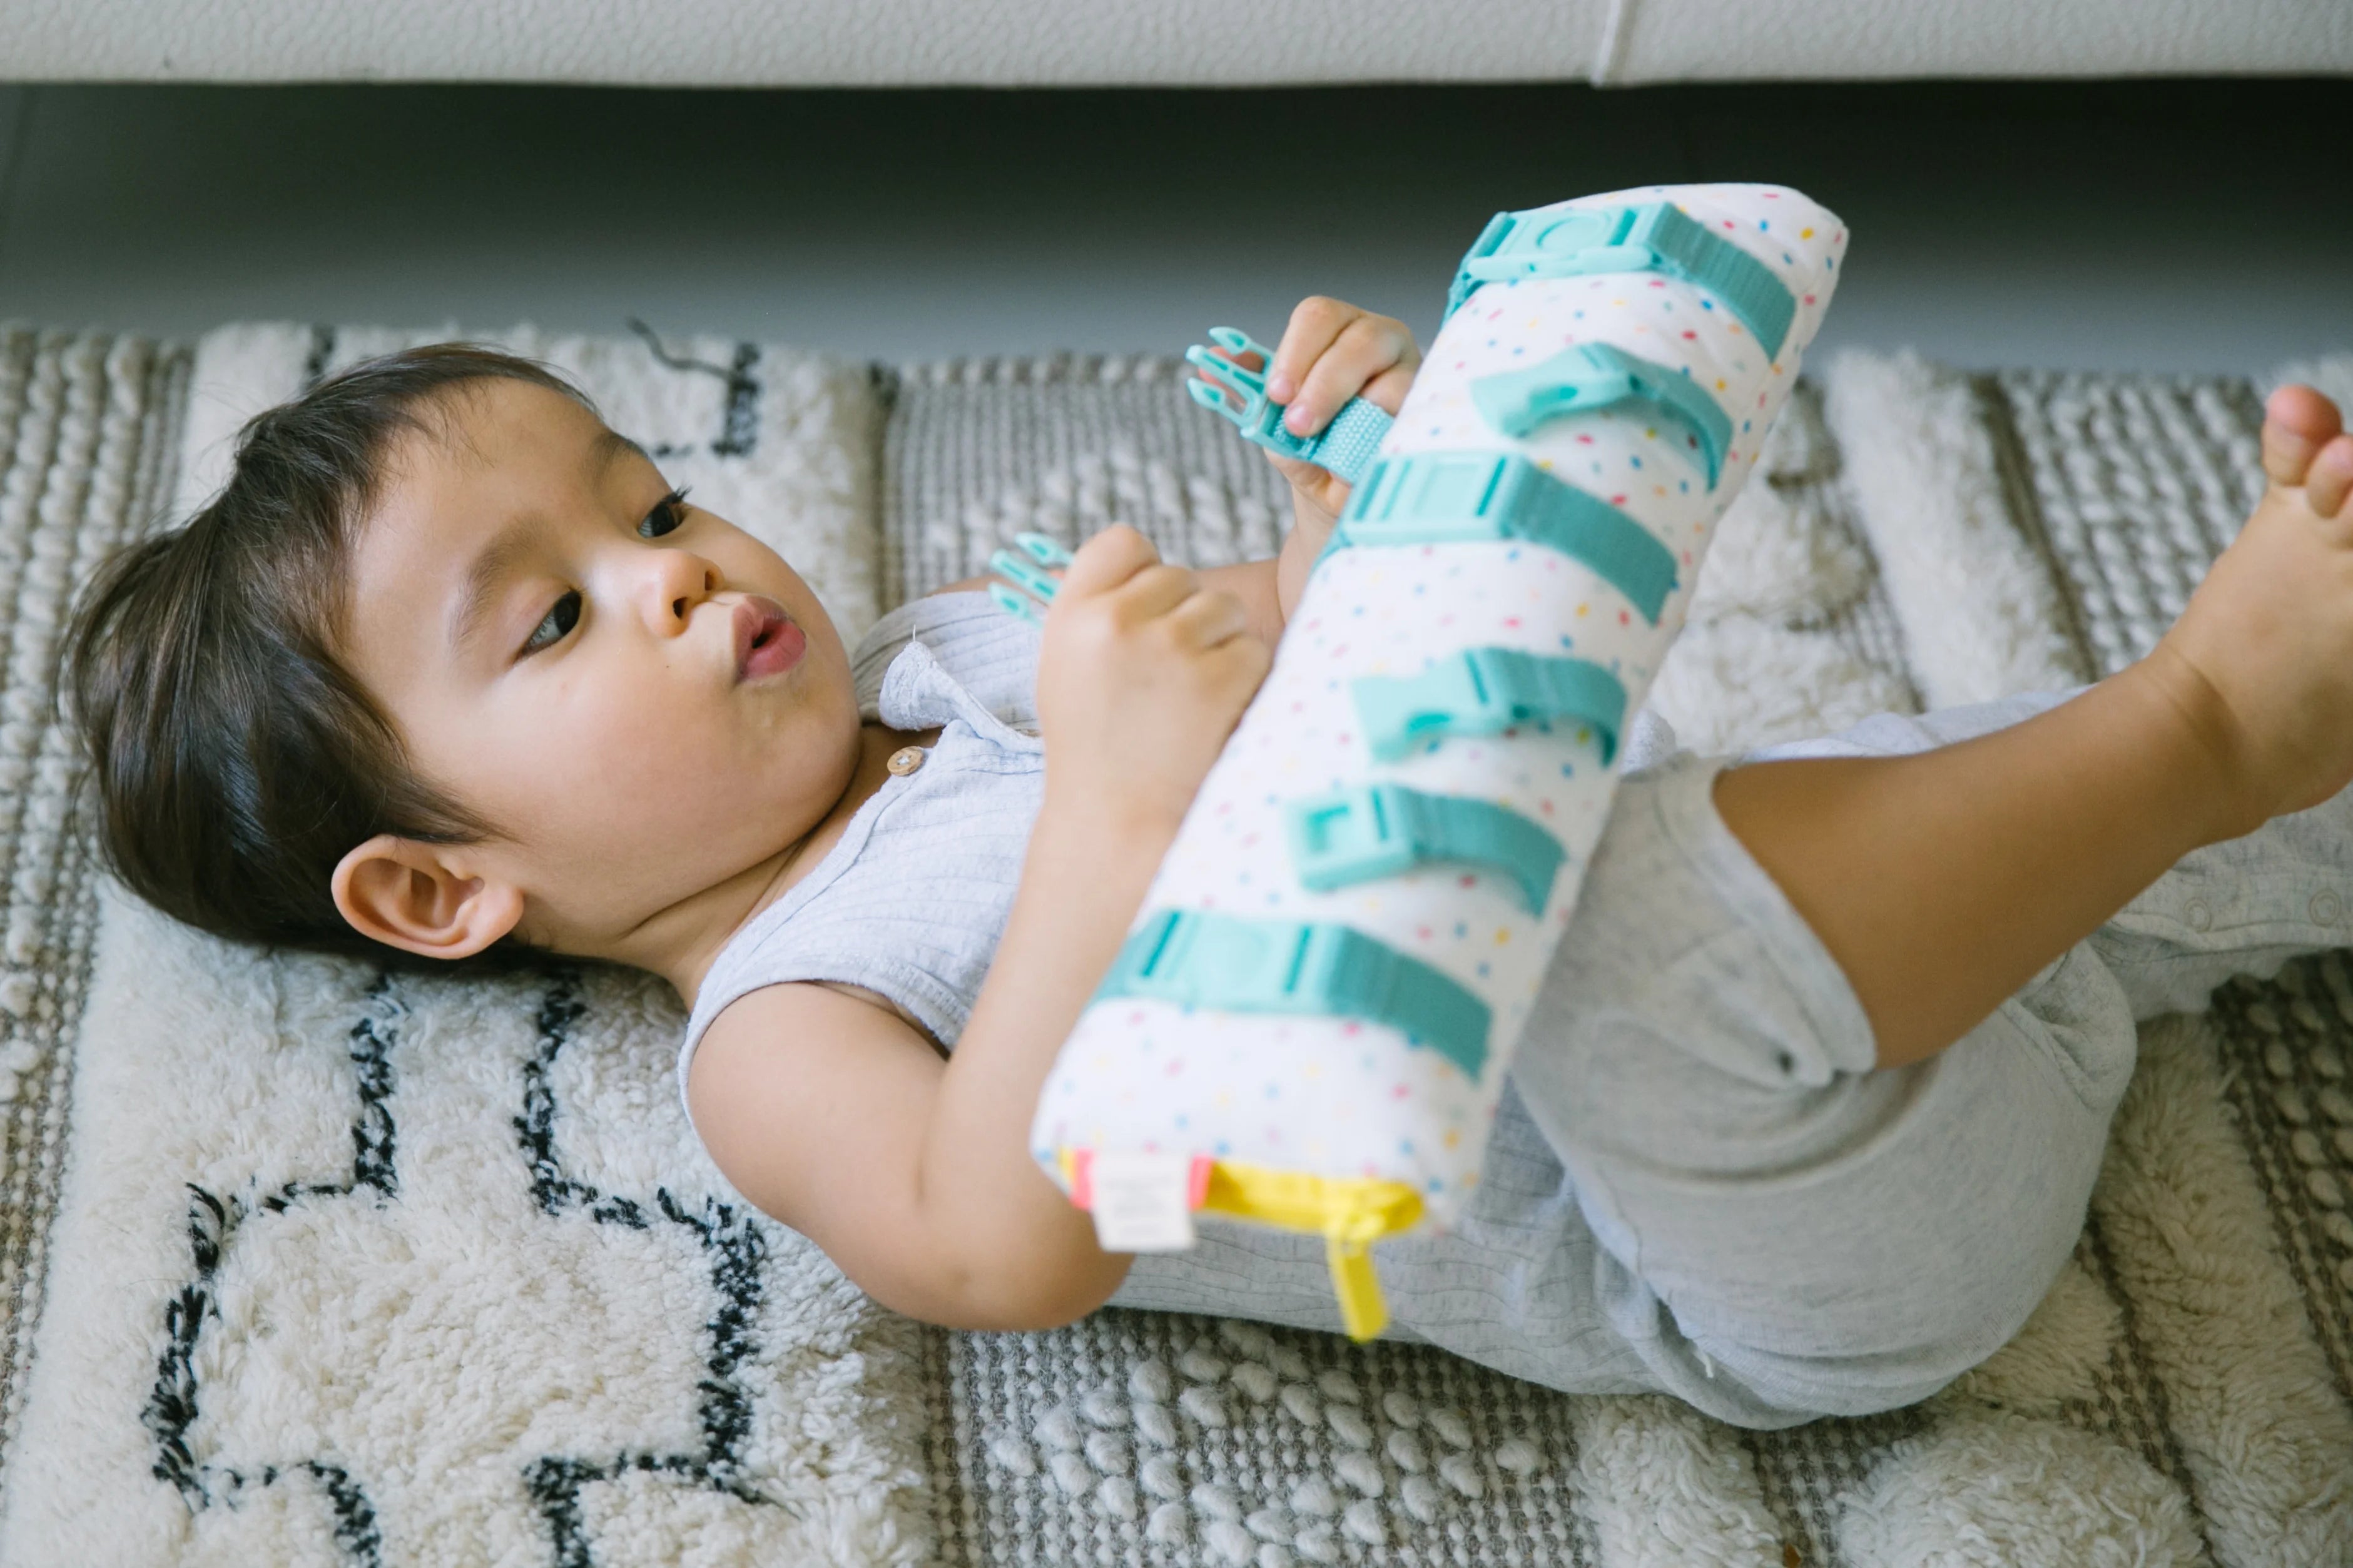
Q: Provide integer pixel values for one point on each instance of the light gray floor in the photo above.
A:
(2165, 225)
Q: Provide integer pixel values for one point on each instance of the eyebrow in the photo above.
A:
(607, 447)
(510, 544)
(515, 540)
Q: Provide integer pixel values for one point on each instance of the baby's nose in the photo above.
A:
(682, 583)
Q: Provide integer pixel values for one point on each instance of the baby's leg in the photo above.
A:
(2244, 906)
(1942, 882)
(1788, 1232)
(1832, 1238)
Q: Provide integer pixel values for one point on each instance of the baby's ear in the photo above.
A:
(405, 895)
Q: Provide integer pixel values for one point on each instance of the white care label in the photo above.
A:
(1141, 1202)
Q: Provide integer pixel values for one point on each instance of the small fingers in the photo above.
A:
(1209, 617)
(1106, 560)
(1386, 391)
(1315, 323)
(1153, 592)
(1367, 350)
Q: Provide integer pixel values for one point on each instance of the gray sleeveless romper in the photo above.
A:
(1696, 1183)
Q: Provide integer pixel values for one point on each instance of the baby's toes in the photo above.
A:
(2329, 480)
(2298, 423)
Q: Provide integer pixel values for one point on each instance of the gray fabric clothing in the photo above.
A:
(1696, 1183)
(911, 900)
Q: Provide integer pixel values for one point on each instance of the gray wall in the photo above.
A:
(2193, 226)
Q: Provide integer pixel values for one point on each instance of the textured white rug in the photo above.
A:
(346, 1271)
(388, 1273)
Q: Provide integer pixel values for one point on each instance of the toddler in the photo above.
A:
(1817, 1087)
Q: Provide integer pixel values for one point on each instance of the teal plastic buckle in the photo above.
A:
(1029, 590)
(1343, 447)
(1197, 958)
(1434, 497)
(1651, 237)
(1484, 691)
(1378, 830)
(1593, 376)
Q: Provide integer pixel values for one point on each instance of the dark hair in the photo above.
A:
(236, 759)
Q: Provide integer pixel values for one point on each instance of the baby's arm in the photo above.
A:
(915, 1175)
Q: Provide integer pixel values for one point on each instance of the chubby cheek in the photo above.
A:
(630, 753)
(622, 768)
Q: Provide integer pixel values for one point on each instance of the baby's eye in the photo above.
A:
(556, 624)
(668, 513)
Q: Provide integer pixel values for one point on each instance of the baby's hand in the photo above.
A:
(1330, 353)
(1142, 674)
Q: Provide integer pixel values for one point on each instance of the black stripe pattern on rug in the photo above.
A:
(732, 1243)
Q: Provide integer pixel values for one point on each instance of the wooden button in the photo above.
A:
(905, 760)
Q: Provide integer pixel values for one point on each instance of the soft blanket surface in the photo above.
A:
(330, 1269)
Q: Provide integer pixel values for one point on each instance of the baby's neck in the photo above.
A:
(682, 944)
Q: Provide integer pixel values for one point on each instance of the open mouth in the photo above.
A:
(766, 640)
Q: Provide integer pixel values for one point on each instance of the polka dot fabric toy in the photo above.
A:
(1310, 1023)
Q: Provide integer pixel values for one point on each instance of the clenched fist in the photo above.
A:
(1142, 675)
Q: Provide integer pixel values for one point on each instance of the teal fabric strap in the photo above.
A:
(1347, 446)
(1197, 958)
(1347, 442)
(1443, 498)
(1485, 690)
(1378, 830)
(1593, 376)
(1651, 237)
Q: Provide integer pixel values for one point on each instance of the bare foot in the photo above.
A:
(2262, 661)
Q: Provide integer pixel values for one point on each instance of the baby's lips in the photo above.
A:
(752, 616)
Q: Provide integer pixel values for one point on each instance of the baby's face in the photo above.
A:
(644, 699)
